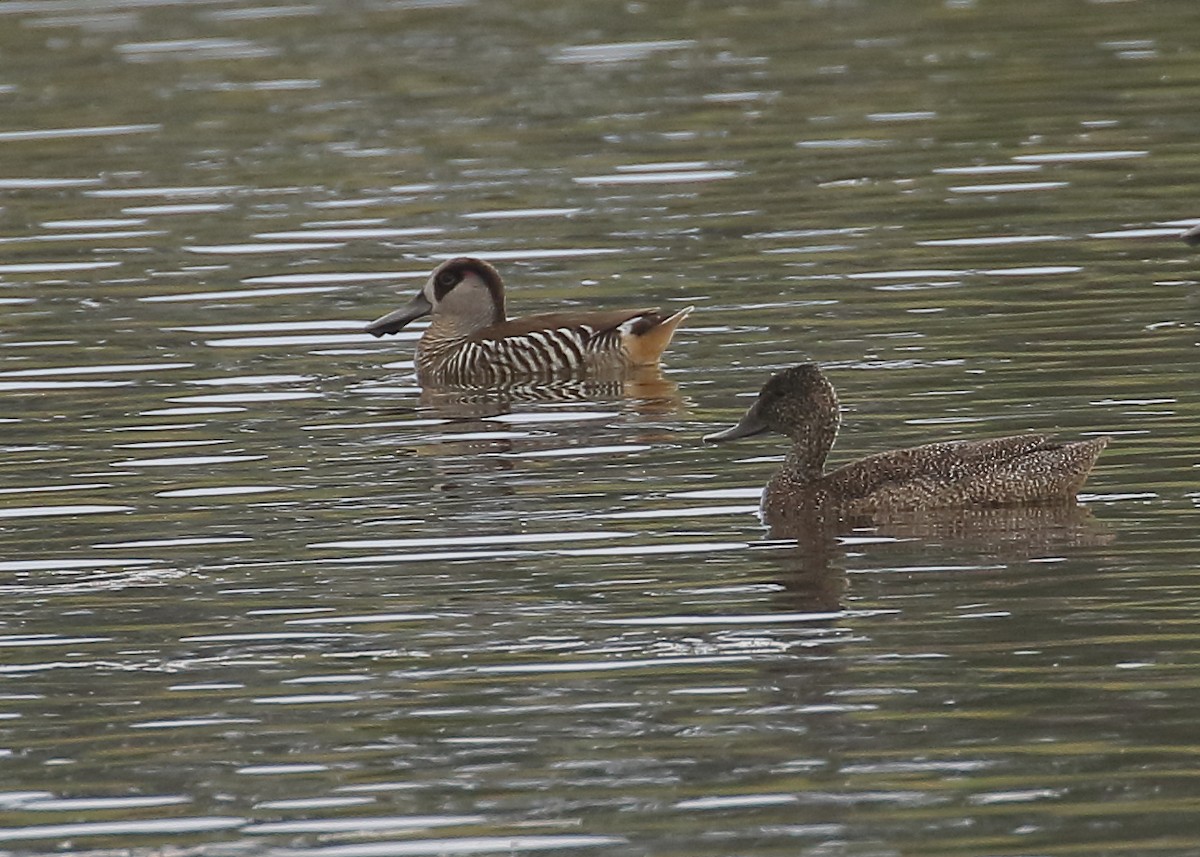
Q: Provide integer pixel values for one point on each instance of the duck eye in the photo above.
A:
(446, 279)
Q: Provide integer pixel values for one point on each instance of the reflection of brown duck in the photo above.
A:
(801, 403)
(471, 342)
(812, 574)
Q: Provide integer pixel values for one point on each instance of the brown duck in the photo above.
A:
(471, 341)
(801, 403)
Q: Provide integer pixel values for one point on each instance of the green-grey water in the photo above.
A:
(262, 594)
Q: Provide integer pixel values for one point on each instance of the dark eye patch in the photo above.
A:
(445, 281)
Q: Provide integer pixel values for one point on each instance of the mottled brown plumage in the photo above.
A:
(801, 403)
(471, 342)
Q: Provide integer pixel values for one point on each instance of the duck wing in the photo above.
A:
(611, 339)
(591, 324)
(1016, 469)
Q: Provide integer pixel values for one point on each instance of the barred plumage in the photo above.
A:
(470, 342)
(550, 354)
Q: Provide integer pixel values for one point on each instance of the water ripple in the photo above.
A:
(991, 241)
(51, 804)
(43, 386)
(348, 234)
(237, 294)
(117, 828)
(185, 50)
(40, 640)
(987, 169)
(94, 370)
(250, 249)
(307, 699)
(511, 845)
(178, 208)
(171, 543)
(466, 541)
(47, 183)
(194, 722)
(1013, 187)
(656, 177)
(249, 397)
(745, 619)
(273, 341)
(372, 823)
(1069, 157)
(508, 255)
(37, 489)
(52, 511)
(521, 213)
(54, 267)
(336, 277)
(170, 192)
(614, 52)
(184, 460)
(85, 131)
(736, 801)
(367, 619)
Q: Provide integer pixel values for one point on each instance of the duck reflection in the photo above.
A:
(465, 450)
(811, 572)
(812, 568)
(1016, 530)
(644, 389)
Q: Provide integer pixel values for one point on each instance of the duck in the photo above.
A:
(801, 403)
(471, 341)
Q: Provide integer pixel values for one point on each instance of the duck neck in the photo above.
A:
(455, 327)
(811, 442)
(448, 331)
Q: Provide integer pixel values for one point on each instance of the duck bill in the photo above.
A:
(397, 319)
(750, 424)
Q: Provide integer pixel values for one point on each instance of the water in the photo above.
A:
(264, 595)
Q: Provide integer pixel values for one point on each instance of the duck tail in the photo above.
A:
(649, 335)
(1082, 458)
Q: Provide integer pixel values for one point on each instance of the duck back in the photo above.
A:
(1001, 471)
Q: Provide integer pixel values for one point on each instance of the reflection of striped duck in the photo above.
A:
(470, 341)
(646, 387)
(801, 403)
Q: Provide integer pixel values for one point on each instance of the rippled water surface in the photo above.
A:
(263, 594)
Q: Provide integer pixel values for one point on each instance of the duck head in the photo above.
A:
(467, 293)
(797, 402)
